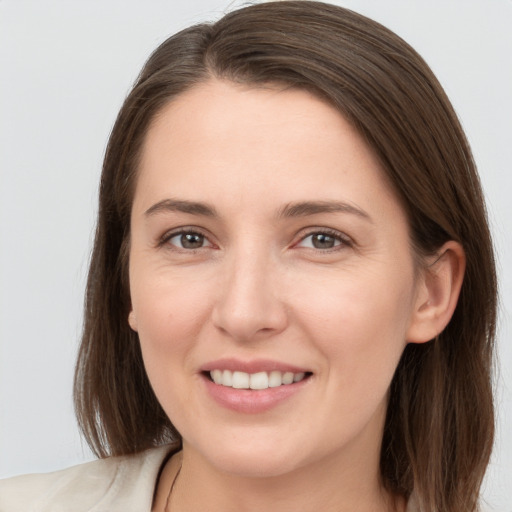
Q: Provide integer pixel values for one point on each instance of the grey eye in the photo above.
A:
(188, 240)
(320, 241)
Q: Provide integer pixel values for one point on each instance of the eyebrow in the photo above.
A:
(179, 205)
(305, 208)
(299, 209)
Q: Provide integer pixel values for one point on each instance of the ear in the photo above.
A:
(438, 292)
(132, 320)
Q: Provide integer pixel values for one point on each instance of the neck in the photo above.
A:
(201, 486)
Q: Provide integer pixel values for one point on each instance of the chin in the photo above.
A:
(253, 458)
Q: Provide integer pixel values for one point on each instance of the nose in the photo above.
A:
(250, 305)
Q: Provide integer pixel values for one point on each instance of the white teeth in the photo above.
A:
(216, 375)
(288, 378)
(240, 380)
(275, 379)
(227, 378)
(260, 380)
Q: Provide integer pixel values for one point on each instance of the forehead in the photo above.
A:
(225, 140)
(221, 113)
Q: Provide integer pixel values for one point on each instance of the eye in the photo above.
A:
(323, 240)
(188, 240)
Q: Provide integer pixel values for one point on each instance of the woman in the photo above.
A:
(292, 292)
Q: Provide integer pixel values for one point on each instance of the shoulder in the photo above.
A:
(113, 484)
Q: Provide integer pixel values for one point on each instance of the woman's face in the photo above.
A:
(267, 247)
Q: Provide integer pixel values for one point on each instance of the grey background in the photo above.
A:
(65, 68)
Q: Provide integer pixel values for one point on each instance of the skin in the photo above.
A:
(257, 287)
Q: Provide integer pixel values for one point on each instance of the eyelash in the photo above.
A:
(340, 239)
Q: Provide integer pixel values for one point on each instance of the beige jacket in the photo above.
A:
(116, 484)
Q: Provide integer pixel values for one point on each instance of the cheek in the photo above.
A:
(170, 315)
(170, 318)
(360, 321)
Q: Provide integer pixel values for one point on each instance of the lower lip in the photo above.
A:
(252, 401)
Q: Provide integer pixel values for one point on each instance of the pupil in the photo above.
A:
(192, 240)
(321, 241)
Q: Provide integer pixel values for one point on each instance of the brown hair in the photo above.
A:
(439, 427)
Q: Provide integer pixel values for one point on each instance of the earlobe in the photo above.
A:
(438, 292)
(132, 320)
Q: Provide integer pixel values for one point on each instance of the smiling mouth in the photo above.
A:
(255, 381)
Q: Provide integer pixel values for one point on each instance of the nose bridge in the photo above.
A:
(250, 303)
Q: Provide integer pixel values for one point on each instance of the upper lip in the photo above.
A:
(254, 366)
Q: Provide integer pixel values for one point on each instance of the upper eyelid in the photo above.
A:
(305, 232)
